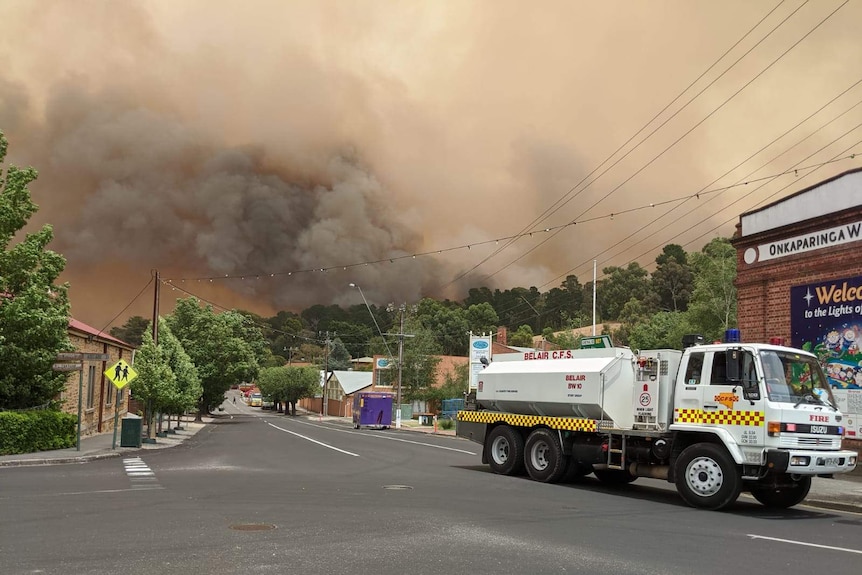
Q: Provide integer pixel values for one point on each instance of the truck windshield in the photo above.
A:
(794, 378)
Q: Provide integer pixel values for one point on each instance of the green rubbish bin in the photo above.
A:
(131, 430)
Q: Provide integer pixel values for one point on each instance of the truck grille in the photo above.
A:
(791, 441)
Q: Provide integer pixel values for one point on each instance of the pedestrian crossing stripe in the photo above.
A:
(561, 423)
(723, 417)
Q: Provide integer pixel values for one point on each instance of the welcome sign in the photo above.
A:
(826, 319)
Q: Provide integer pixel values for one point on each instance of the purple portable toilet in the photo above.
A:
(372, 409)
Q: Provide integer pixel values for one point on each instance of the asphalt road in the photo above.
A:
(264, 493)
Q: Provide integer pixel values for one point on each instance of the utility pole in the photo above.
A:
(401, 335)
(324, 408)
(156, 309)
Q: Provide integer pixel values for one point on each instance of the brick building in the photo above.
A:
(799, 278)
(98, 395)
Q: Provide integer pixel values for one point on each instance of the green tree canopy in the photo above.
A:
(132, 332)
(156, 384)
(672, 281)
(448, 324)
(289, 384)
(226, 348)
(712, 308)
(523, 337)
(481, 318)
(34, 309)
(619, 286)
(339, 357)
(187, 391)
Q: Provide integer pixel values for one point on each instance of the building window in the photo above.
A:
(91, 387)
(110, 395)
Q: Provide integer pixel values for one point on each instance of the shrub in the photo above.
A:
(446, 423)
(29, 431)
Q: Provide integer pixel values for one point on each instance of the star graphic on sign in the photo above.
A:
(808, 297)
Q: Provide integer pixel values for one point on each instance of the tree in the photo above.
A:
(712, 308)
(672, 280)
(419, 361)
(289, 384)
(353, 336)
(34, 310)
(481, 318)
(184, 395)
(663, 330)
(448, 324)
(619, 286)
(339, 358)
(523, 337)
(155, 383)
(225, 348)
(132, 332)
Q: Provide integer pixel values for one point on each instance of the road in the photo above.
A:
(258, 492)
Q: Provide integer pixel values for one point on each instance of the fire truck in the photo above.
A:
(714, 419)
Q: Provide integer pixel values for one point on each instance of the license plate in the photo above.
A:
(830, 461)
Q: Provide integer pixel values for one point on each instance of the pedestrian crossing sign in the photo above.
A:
(121, 373)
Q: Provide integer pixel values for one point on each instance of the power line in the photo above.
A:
(684, 135)
(743, 179)
(134, 299)
(562, 200)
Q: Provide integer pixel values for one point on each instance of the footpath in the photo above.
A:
(842, 493)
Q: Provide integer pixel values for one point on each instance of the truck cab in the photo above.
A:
(769, 406)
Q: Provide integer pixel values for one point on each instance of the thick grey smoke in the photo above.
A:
(220, 138)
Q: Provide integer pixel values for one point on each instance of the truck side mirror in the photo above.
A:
(732, 365)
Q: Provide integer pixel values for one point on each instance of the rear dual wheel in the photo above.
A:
(543, 456)
(504, 448)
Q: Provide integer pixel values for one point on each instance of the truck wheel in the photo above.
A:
(614, 476)
(505, 450)
(543, 456)
(783, 497)
(706, 476)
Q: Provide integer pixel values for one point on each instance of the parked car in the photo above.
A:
(267, 403)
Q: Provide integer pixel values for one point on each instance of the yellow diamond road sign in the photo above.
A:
(121, 373)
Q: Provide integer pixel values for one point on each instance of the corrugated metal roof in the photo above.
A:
(353, 381)
(89, 330)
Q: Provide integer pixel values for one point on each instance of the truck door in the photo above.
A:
(688, 395)
(725, 403)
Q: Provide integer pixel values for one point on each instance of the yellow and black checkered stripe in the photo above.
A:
(724, 417)
(563, 423)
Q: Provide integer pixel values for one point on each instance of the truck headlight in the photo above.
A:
(852, 460)
(800, 460)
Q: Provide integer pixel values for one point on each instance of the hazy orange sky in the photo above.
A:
(260, 140)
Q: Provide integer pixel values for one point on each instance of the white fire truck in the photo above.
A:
(714, 420)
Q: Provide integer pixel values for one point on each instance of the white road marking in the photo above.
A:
(805, 543)
(387, 437)
(140, 474)
(312, 440)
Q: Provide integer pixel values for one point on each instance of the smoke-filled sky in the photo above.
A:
(251, 139)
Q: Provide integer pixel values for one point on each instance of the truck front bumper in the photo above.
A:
(804, 462)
